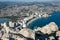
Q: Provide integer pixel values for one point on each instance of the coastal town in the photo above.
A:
(29, 9)
(17, 28)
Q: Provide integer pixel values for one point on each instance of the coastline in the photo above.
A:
(32, 20)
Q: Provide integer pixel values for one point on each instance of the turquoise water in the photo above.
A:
(43, 21)
(2, 20)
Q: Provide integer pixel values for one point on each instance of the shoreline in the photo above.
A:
(32, 20)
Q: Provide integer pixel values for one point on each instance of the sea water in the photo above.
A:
(55, 17)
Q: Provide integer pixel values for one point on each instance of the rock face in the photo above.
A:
(21, 39)
(51, 38)
(27, 33)
(5, 27)
(58, 33)
(51, 27)
(11, 24)
(5, 36)
(59, 38)
(48, 29)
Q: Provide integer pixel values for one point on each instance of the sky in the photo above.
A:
(30, 0)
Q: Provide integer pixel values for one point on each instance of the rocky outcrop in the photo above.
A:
(48, 29)
(27, 33)
(51, 38)
(58, 33)
(11, 24)
(51, 27)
